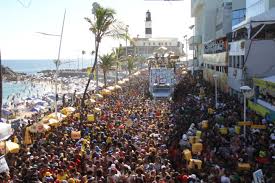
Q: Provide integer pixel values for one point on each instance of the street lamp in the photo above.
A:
(245, 90)
(57, 62)
(192, 27)
(186, 47)
(215, 76)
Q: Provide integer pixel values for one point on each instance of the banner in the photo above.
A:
(258, 108)
(258, 176)
(3, 165)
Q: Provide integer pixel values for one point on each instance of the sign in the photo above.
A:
(258, 126)
(242, 123)
(258, 176)
(161, 76)
(258, 108)
(3, 165)
(215, 46)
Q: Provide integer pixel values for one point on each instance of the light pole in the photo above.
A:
(215, 76)
(57, 62)
(192, 27)
(245, 90)
(186, 56)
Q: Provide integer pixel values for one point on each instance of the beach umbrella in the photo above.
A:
(5, 131)
(67, 110)
(12, 147)
(117, 87)
(53, 122)
(98, 96)
(6, 112)
(58, 116)
(3, 120)
(92, 100)
(35, 109)
(105, 92)
(111, 88)
(121, 82)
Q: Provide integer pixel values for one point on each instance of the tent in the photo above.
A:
(5, 131)
(9, 147)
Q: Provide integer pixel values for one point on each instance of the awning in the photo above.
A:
(264, 18)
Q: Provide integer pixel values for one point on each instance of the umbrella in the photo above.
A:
(98, 95)
(117, 87)
(111, 88)
(6, 112)
(35, 109)
(106, 92)
(3, 120)
(58, 115)
(12, 147)
(53, 122)
(67, 110)
(5, 131)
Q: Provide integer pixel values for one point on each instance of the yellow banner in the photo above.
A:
(258, 108)
(259, 126)
(264, 84)
(242, 123)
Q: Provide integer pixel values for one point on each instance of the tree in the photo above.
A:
(130, 64)
(104, 25)
(107, 61)
(117, 54)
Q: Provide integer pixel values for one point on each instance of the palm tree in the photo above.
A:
(117, 54)
(104, 25)
(107, 61)
(83, 53)
(130, 64)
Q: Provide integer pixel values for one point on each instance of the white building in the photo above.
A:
(251, 53)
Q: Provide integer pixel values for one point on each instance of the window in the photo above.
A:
(149, 44)
(154, 44)
(242, 61)
(170, 43)
(230, 61)
(165, 44)
(238, 62)
(144, 43)
(159, 44)
(217, 68)
(238, 16)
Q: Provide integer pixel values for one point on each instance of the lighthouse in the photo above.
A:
(148, 25)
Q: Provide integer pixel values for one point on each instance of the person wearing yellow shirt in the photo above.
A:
(62, 175)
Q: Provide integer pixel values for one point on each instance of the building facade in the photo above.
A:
(213, 21)
(250, 50)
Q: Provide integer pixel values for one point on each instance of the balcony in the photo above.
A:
(195, 5)
(194, 40)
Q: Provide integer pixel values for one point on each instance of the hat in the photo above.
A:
(163, 167)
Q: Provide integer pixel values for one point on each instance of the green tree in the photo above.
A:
(103, 25)
(130, 64)
(107, 61)
(117, 54)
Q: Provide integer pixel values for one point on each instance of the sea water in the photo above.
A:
(22, 90)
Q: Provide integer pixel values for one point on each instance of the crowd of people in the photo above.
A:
(137, 140)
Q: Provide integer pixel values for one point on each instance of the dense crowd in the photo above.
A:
(137, 140)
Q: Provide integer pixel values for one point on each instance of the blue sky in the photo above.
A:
(19, 24)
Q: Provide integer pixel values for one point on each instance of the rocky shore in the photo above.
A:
(10, 75)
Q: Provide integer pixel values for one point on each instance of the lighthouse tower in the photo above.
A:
(148, 25)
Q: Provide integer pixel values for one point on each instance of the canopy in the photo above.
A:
(5, 131)
(264, 18)
(11, 147)
(111, 88)
(57, 115)
(6, 112)
(106, 92)
(121, 82)
(53, 122)
(98, 95)
(117, 87)
(67, 110)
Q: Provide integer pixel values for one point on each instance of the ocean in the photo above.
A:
(32, 67)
